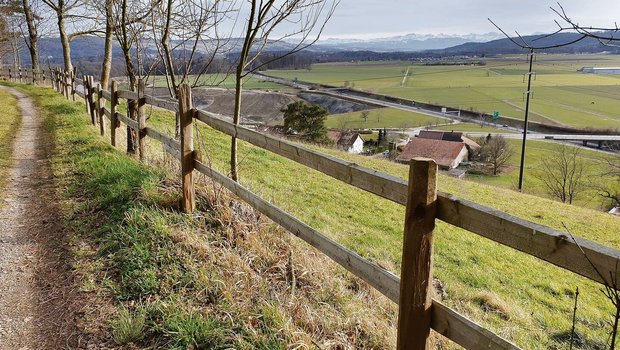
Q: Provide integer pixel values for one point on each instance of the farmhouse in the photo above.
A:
(471, 145)
(351, 142)
(447, 154)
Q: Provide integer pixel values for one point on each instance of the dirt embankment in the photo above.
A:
(257, 107)
(334, 105)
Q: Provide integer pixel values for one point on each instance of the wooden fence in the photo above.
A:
(418, 312)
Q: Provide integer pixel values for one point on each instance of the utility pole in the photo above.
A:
(527, 109)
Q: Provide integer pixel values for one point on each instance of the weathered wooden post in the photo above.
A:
(66, 81)
(73, 75)
(416, 279)
(100, 106)
(20, 74)
(187, 147)
(142, 120)
(10, 75)
(85, 90)
(58, 82)
(91, 101)
(114, 124)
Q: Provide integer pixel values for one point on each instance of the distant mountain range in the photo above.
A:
(408, 46)
(505, 46)
(408, 42)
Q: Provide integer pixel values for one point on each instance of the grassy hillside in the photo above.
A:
(562, 95)
(151, 277)
(157, 255)
(536, 151)
(9, 123)
(516, 295)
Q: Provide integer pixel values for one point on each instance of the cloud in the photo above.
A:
(364, 17)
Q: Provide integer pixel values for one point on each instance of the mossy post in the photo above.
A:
(416, 278)
(186, 114)
(141, 120)
(114, 124)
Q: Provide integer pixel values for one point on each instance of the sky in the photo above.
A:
(362, 19)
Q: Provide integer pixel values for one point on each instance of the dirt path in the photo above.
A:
(35, 278)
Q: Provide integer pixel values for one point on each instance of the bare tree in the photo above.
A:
(74, 19)
(11, 20)
(611, 190)
(32, 22)
(193, 24)
(497, 151)
(308, 17)
(563, 173)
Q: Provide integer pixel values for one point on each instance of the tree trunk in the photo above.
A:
(33, 36)
(106, 66)
(132, 136)
(64, 40)
(236, 117)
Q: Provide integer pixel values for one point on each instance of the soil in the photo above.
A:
(37, 303)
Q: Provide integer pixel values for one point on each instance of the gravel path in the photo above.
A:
(35, 279)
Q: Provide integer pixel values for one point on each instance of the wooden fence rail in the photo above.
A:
(418, 313)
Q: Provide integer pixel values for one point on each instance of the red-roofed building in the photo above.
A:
(447, 154)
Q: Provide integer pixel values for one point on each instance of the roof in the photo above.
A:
(441, 135)
(442, 152)
(470, 143)
(342, 138)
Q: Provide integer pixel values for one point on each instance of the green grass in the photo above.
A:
(10, 121)
(539, 296)
(562, 95)
(381, 118)
(513, 294)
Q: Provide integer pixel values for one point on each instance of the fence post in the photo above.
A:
(141, 120)
(20, 75)
(57, 78)
(73, 76)
(91, 102)
(65, 80)
(100, 106)
(187, 147)
(113, 120)
(416, 280)
(85, 90)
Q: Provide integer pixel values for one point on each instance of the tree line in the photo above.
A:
(183, 40)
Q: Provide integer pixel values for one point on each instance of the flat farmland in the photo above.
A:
(561, 94)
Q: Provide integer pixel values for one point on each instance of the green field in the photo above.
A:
(222, 81)
(484, 280)
(561, 95)
(381, 118)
